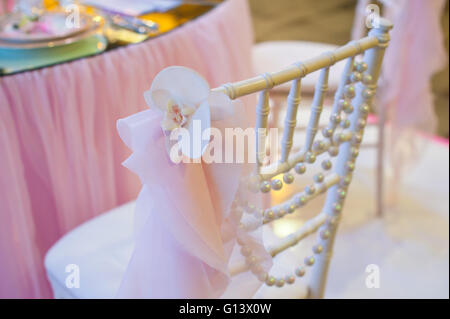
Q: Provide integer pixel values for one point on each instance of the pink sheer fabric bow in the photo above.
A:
(185, 228)
(416, 51)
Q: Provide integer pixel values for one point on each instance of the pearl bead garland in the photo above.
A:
(310, 157)
(291, 209)
(300, 168)
(349, 91)
(309, 261)
(345, 181)
(281, 212)
(361, 123)
(270, 281)
(277, 184)
(348, 109)
(343, 103)
(337, 208)
(325, 234)
(279, 282)
(354, 152)
(345, 123)
(318, 178)
(368, 93)
(361, 67)
(290, 279)
(350, 166)
(318, 249)
(327, 132)
(318, 146)
(356, 77)
(333, 151)
(338, 137)
(357, 139)
(335, 118)
(331, 221)
(300, 272)
(301, 200)
(265, 187)
(269, 214)
(311, 189)
(367, 79)
(364, 109)
(326, 164)
(288, 178)
(342, 193)
(257, 270)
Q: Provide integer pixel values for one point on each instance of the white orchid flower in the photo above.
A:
(183, 96)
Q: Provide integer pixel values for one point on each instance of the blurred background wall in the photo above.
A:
(331, 21)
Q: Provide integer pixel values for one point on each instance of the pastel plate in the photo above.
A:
(13, 60)
(51, 26)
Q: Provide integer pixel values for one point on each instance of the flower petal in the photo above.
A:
(181, 83)
(157, 99)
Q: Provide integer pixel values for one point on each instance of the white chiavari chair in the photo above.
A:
(104, 244)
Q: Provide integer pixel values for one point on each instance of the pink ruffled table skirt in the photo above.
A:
(60, 154)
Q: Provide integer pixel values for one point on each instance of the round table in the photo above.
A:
(60, 154)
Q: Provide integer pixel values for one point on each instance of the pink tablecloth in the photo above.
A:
(60, 155)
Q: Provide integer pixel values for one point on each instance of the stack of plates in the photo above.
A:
(54, 39)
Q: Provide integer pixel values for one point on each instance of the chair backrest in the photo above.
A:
(341, 139)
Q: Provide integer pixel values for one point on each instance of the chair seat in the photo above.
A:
(102, 247)
(275, 55)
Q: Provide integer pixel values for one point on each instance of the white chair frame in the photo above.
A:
(344, 144)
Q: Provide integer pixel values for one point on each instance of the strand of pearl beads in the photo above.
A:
(300, 168)
(344, 104)
(324, 234)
